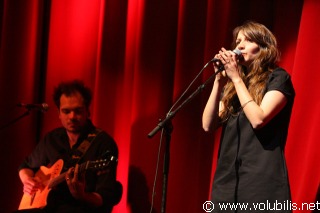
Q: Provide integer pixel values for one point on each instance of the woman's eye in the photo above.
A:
(250, 40)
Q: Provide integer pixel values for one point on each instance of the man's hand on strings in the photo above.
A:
(76, 182)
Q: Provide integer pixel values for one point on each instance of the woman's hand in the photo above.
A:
(230, 63)
(221, 77)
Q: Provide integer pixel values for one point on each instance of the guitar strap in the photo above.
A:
(84, 146)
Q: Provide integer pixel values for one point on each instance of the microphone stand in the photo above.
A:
(16, 119)
(166, 124)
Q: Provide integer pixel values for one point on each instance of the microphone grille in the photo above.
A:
(45, 107)
(236, 51)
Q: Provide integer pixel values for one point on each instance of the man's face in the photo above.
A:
(73, 113)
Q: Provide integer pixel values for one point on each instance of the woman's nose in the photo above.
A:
(240, 47)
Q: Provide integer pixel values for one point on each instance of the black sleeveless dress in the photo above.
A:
(251, 174)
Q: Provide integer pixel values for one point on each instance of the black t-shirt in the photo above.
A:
(251, 165)
(55, 146)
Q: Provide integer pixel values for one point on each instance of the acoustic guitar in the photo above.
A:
(51, 177)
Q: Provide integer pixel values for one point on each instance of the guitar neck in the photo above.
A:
(93, 165)
(62, 177)
(57, 180)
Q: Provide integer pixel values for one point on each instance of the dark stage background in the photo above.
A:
(138, 56)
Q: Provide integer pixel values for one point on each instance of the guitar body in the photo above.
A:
(51, 177)
(45, 175)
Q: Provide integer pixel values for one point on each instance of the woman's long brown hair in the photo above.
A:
(256, 75)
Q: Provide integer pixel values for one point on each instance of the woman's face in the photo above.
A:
(248, 48)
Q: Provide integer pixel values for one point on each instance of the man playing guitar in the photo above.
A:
(67, 151)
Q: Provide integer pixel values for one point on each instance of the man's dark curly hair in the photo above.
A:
(69, 88)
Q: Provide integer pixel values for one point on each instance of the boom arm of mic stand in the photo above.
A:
(162, 123)
(15, 120)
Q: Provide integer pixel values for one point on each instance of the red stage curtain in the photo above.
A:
(138, 56)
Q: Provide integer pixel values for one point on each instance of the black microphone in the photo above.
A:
(42, 107)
